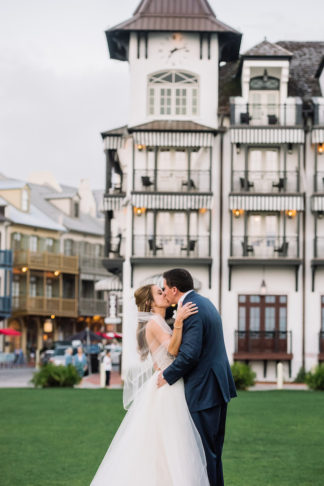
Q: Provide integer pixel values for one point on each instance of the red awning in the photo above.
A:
(10, 332)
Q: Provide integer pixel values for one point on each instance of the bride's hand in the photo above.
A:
(185, 311)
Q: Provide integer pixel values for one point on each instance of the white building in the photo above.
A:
(216, 171)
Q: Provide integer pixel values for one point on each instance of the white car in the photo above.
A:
(58, 357)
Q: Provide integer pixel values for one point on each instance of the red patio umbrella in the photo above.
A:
(10, 332)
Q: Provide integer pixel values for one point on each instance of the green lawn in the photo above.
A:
(58, 437)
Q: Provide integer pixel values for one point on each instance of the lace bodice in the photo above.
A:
(158, 346)
(161, 358)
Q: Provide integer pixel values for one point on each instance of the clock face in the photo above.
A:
(173, 49)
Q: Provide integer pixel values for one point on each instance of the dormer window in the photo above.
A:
(265, 82)
(264, 106)
(173, 93)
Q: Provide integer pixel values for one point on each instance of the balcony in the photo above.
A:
(319, 182)
(274, 247)
(266, 115)
(5, 258)
(172, 181)
(92, 307)
(321, 346)
(167, 246)
(263, 345)
(61, 307)
(46, 261)
(92, 266)
(261, 181)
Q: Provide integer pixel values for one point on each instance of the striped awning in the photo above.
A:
(113, 143)
(318, 135)
(254, 135)
(317, 203)
(266, 202)
(172, 201)
(112, 282)
(113, 203)
(174, 139)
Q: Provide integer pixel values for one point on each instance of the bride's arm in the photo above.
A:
(182, 313)
(173, 342)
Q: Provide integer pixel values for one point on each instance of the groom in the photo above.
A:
(202, 363)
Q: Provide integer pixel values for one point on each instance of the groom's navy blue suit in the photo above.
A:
(203, 364)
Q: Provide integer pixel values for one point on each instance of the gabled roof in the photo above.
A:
(171, 125)
(173, 16)
(115, 132)
(267, 49)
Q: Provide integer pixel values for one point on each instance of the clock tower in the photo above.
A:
(171, 38)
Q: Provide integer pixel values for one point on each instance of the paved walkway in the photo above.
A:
(20, 378)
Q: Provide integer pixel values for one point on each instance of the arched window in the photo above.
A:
(173, 93)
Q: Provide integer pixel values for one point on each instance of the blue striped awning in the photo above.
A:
(318, 135)
(113, 142)
(266, 202)
(174, 139)
(317, 203)
(266, 135)
(113, 203)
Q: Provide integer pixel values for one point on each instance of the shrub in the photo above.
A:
(243, 375)
(56, 376)
(301, 376)
(315, 379)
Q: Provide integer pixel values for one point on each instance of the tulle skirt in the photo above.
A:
(157, 443)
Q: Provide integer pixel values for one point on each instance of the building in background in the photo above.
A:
(5, 270)
(57, 245)
(219, 170)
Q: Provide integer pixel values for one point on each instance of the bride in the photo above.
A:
(157, 443)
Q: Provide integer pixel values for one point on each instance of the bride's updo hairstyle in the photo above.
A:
(144, 300)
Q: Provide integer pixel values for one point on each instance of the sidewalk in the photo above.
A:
(93, 381)
(263, 386)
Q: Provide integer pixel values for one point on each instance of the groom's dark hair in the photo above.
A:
(179, 278)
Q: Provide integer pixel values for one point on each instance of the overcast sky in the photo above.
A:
(59, 90)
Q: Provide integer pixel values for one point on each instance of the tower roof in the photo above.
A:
(173, 16)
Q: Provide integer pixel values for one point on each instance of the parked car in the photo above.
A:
(58, 357)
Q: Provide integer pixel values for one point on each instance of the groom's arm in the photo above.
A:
(189, 352)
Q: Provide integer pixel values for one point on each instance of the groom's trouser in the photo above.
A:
(211, 427)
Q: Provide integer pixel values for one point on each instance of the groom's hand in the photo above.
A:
(161, 381)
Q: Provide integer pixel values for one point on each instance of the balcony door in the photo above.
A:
(263, 233)
(262, 323)
(264, 107)
(263, 169)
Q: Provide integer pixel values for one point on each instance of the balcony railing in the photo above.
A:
(172, 180)
(92, 265)
(319, 247)
(5, 306)
(92, 307)
(256, 342)
(45, 306)
(265, 246)
(265, 181)
(171, 246)
(46, 261)
(253, 114)
(319, 181)
(5, 258)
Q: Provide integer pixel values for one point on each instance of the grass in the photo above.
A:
(58, 437)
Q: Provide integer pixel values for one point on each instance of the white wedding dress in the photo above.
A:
(157, 443)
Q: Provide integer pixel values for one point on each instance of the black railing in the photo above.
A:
(319, 247)
(319, 181)
(255, 114)
(172, 180)
(265, 246)
(265, 181)
(263, 342)
(171, 246)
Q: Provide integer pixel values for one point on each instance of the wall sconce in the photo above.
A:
(238, 148)
(140, 147)
(48, 326)
(139, 211)
(56, 273)
(263, 288)
(177, 36)
(320, 148)
(291, 213)
(52, 316)
(202, 210)
(24, 269)
(290, 148)
(237, 213)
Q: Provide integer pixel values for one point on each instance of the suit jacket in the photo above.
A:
(202, 360)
